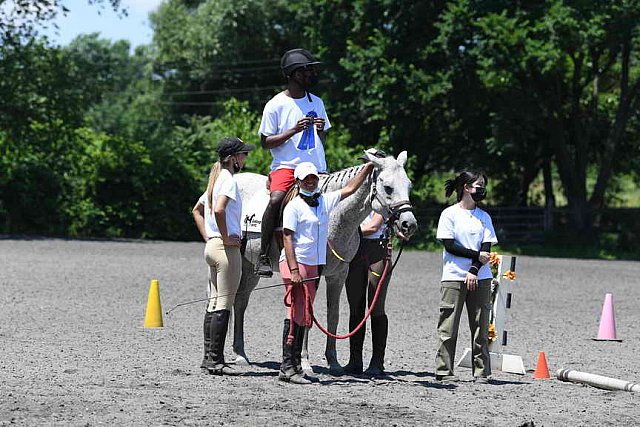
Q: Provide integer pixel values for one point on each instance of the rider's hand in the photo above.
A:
(231, 240)
(471, 281)
(296, 278)
(319, 123)
(484, 257)
(303, 124)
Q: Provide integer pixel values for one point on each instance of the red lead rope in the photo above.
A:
(383, 276)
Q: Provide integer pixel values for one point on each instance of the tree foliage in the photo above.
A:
(111, 143)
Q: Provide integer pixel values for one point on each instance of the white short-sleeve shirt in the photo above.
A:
(310, 226)
(378, 233)
(283, 113)
(225, 185)
(469, 228)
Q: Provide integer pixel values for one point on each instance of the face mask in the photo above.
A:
(310, 197)
(479, 195)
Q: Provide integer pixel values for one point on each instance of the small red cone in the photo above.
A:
(542, 370)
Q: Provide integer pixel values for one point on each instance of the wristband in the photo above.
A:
(294, 269)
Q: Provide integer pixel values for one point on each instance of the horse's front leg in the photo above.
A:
(248, 282)
(335, 283)
(304, 355)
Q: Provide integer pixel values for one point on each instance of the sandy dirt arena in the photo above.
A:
(73, 350)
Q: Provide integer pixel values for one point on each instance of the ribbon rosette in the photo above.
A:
(511, 275)
(492, 332)
(308, 141)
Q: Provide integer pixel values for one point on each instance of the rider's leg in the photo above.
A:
(280, 181)
(269, 222)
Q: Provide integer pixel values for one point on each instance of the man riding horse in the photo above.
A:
(294, 125)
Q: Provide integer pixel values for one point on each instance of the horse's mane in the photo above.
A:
(337, 180)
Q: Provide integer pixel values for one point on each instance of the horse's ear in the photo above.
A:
(368, 156)
(402, 158)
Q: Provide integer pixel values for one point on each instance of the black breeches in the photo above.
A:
(364, 275)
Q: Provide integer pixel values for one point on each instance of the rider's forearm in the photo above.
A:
(273, 141)
(357, 181)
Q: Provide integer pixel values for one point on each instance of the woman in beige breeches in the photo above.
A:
(217, 215)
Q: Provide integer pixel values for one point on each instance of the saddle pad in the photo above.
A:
(253, 209)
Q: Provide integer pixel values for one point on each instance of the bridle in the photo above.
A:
(395, 209)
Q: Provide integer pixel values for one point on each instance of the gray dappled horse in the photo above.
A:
(386, 191)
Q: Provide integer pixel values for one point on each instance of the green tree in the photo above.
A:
(575, 66)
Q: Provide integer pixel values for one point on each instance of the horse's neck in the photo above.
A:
(354, 209)
(338, 180)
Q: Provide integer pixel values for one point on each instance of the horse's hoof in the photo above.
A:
(241, 361)
(336, 370)
(306, 366)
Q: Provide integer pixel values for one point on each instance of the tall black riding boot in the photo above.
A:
(288, 371)
(219, 326)
(269, 220)
(379, 330)
(207, 340)
(356, 341)
(297, 352)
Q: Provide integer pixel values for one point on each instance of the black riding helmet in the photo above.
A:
(296, 58)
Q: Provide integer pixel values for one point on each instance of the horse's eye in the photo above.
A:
(388, 189)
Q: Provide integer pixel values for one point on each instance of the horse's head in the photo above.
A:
(390, 192)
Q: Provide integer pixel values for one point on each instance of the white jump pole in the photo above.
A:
(596, 380)
(502, 301)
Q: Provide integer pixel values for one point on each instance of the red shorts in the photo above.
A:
(281, 180)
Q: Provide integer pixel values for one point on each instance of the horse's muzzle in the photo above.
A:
(407, 224)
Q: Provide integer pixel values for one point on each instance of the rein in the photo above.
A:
(385, 271)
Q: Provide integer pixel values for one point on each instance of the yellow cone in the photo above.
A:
(153, 315)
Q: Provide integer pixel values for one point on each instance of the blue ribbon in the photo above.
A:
(308, 141)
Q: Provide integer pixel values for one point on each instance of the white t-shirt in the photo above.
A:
(225, 185)
(469, 228)
(282, 113)
(379, 232)
(310, 226)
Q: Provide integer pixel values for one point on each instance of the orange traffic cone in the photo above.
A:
(542, 370)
